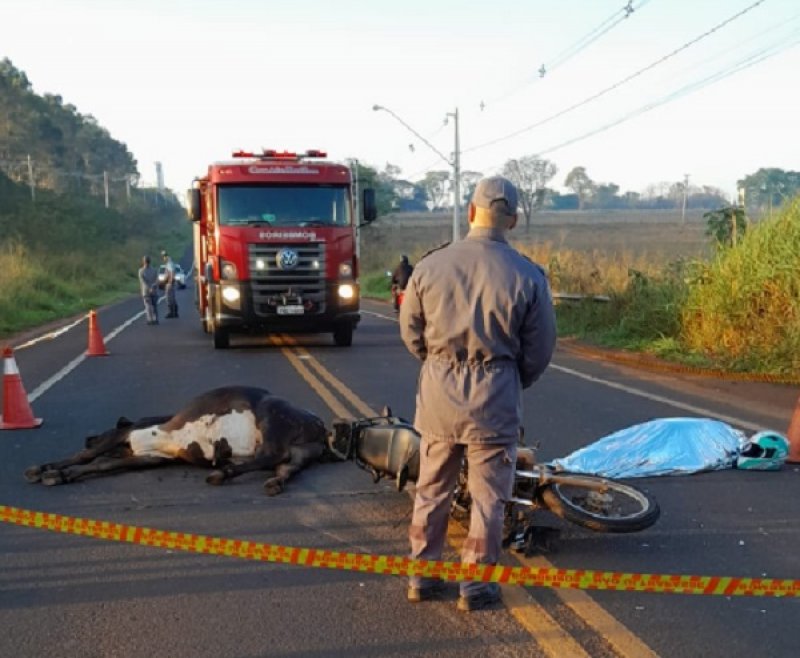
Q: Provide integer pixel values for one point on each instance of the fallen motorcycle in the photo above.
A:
(388, 446)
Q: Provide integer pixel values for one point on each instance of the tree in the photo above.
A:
(65, 147)
(579, 182)
(770, 187)
(707, 196)
(411, 196)
(384, 194)
(726, 225)
(530, 174)
(605, 196)
(436, 185)
(469, 179)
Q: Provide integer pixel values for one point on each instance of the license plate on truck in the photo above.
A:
(290, 310)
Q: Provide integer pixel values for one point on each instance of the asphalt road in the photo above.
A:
(74, 596)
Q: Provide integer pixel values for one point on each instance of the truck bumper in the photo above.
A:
(249, 316)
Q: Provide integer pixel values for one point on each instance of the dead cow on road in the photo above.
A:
(235, 430)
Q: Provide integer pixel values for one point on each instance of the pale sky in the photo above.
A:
(186, 82)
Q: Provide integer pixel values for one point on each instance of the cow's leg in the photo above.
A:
(230, 470)
(85, 456)
(299, 456)
(100, 465)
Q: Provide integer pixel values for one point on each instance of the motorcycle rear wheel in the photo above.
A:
(621, 508)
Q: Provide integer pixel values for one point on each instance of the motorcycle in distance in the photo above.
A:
(397, 294)
(388, 446)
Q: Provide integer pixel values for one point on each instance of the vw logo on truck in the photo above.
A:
(287, 259)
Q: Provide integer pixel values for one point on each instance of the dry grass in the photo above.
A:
(584, 252)
(745, 309)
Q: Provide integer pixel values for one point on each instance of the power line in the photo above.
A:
(591, 37)
(746, 62)
(618, 84)
(581, 44)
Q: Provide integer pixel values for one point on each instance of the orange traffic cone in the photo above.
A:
(793, 434)
(96, 345)
(17, 414)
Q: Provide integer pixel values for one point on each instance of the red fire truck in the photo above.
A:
(275, 245)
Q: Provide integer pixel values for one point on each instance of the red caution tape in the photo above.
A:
(403, 566)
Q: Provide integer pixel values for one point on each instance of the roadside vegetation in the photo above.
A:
(74, 219)
(64, 255)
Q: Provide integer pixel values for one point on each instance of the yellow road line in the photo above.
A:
(624, 642)
(360, 406)
(553, 639)
(333, 404)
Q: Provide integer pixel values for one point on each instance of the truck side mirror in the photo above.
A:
(193, 204)
(369, 206)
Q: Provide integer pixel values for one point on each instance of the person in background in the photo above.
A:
(148, 285)
(479, 315)
(169, 286)
(400, 277)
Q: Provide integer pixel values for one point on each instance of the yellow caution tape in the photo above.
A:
(403, 566)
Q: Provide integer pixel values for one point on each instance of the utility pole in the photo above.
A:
(30, 179)
(685, 197)
(455, 163)
(105, 186)
(356, 206)
(456, 179)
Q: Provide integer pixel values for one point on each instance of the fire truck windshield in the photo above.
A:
(284, 205)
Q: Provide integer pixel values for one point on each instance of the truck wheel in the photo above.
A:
(343, 334)
(222, 339)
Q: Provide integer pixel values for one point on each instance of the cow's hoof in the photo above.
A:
(33, 474)
(216, 477)
(273, 487)
(50, 478)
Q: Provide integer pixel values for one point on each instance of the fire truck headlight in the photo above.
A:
(346, 291)
(231, 295)
(345, 269)
(228, 271)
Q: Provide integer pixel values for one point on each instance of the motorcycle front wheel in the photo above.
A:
(617, 508)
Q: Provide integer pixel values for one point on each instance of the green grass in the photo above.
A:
(376, 285)
(62, 255)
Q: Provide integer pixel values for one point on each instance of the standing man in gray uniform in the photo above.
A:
(169, 287)
(148, 285)
(479, 315)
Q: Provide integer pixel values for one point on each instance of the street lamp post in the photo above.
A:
(356, 205)
(455, 163)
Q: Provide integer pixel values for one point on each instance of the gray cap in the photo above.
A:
(495, 188)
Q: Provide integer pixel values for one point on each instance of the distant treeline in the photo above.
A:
(536, 180)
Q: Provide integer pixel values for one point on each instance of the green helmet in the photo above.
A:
(765, 451)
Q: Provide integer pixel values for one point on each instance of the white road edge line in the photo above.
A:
(683, 406)
(52, 381)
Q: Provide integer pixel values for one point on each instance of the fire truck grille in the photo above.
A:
(282, 274)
